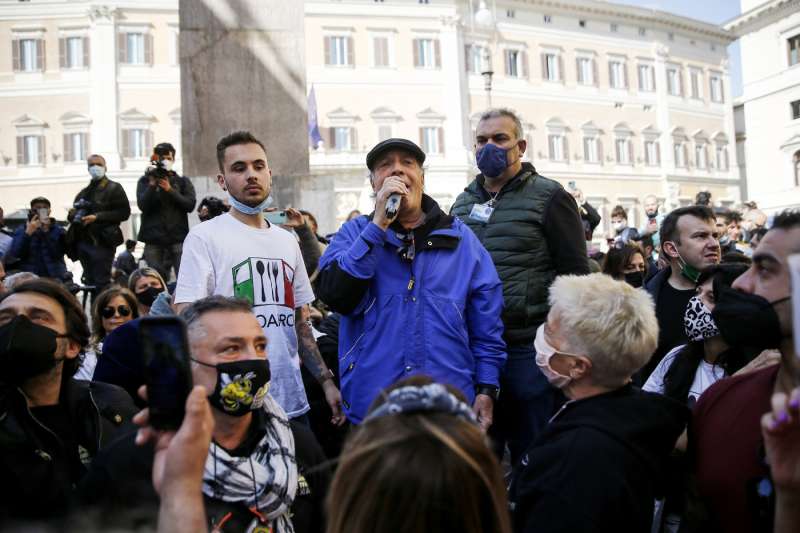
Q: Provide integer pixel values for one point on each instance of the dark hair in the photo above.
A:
(736, 257)
(210, 304)
(680, 375)
(235, 138)
(421, 471)
(669, 228)
(619, 211)
(618, 258)
(101, 302)
(646, 241)
(759, 232)
(164, 149)
(74, 317)
(702, 198)
(214, 205)
(310, 216)
(786, 219)
(40, 200)
(130, 243)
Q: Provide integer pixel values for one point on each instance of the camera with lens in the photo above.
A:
(82, 208)
(157, 169)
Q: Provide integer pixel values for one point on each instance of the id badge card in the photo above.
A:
(481, 212)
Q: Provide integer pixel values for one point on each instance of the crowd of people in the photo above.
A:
(484, 369)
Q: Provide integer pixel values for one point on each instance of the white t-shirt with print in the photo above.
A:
(263, 265)
(706, 375)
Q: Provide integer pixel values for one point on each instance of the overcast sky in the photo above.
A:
(714, 11)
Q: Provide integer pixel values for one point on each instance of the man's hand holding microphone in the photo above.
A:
(387, 202)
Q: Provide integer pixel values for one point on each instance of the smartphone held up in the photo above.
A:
(168, 376)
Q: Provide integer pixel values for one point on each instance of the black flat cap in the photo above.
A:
(394, 144)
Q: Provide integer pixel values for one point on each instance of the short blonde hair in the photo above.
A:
(609, 321)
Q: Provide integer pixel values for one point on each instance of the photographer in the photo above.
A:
(94, 232)
(165, 199)
(39, 246)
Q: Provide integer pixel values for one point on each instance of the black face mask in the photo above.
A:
(241, 386)
(635, 279)
(747, 320)
(26, 350)
(148, 296)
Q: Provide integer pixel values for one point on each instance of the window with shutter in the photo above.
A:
(62, 53)
(86, 62)
(380, 50)
(560, 73)
(351, 53)
(437, 54)
(148, 49)
(354, 139)
(595, 73)
(122, 48)
(20, 151)
(68, 152)
(41, 58)
(15, 55)
(328, 50)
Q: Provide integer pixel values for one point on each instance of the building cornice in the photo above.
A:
(761, 16)
(638, 15)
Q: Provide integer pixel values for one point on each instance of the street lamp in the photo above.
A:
(484, 17)
(487, 73)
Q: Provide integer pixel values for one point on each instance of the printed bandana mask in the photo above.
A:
(241, 386)
(698, 322)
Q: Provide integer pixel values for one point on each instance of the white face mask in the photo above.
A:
(97, 171)
(545, 352)
(168, 164)
(619, 226)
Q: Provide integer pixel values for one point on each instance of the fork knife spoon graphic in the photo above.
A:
(260, 269)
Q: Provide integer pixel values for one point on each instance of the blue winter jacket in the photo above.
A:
(437, 314)
(41, 253)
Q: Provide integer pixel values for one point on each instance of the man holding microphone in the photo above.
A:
(417, 291)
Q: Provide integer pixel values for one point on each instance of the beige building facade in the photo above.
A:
(623, 101)
(769, 108)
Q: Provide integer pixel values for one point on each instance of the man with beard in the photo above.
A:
(725, 439)
(241, 254)
(51, 425)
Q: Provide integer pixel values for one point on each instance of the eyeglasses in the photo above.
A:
(123, 311)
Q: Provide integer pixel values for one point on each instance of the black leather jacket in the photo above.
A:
(37, 470)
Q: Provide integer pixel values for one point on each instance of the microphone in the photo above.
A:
(393, 205)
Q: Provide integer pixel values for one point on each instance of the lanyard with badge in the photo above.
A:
(482, 212)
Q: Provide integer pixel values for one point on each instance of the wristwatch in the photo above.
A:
(489, 390)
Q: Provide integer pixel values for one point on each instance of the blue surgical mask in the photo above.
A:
(492, 160)
(246, 209)
(97, 172)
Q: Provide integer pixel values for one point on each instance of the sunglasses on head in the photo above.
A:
(123, 310)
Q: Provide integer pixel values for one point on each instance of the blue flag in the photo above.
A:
(313, 126)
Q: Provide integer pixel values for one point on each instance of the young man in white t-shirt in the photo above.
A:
(241, 254)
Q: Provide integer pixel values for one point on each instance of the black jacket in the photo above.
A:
(164, 214)
(119, 487)
(533, 235)
(38, 472)
(109, 203)
(598, 465)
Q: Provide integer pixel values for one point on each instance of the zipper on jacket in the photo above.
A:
(99, 421)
